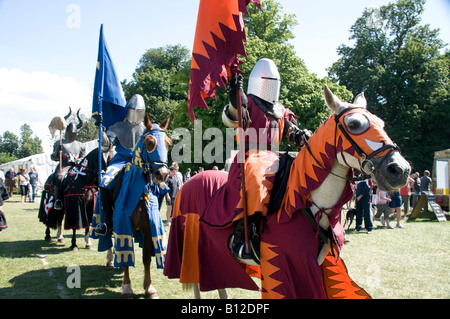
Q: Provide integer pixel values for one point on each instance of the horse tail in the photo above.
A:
(187, 287)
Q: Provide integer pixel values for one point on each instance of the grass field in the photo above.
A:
(407, 263)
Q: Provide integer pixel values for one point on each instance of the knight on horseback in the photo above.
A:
(270, 121)
(69, 151)
(124, 136)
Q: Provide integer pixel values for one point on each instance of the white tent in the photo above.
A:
(42, 162)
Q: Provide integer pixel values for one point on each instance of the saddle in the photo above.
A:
(276, 198)
(236, 240)
(280, 182)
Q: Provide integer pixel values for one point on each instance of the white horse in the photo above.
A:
(296, 255)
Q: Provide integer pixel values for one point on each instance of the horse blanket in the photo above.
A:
(217, 203)
(134, 187)
(47, 215)
(212, 201)
(79, 178)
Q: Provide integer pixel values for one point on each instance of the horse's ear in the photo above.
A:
(147, 122)
(333, 102)
(164, 124)
(360, 101)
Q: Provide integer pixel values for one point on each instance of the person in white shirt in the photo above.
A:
(383, 208)
(23, 184)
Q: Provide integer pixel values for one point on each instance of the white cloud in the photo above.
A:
(35, 98)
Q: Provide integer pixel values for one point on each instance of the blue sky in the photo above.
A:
(48, 49)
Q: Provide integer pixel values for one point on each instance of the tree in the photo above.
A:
(268, 33)
(398, 64)
(162, 77)
(88, 132)
(12, 148)
(9, 143)
(29, 145)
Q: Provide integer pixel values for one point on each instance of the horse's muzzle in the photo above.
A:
(392, 172)
(160, 175)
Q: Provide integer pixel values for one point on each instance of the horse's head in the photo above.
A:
(366, 146)
(156, 144)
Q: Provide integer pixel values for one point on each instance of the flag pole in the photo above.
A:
(100, 119)
(100, 115)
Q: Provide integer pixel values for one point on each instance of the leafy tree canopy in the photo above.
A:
(13, 147)
(162, 76)
(400, 66)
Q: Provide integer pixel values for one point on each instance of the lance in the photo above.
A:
(241, 160)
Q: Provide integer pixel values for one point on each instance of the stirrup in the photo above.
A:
(58, 205)
(101, 229)
(251, 258)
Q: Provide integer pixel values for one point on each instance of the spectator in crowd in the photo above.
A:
(416, 189)
(34, 179)
(24, 180)
(187, 175)
(10, 181)
(395, 206)
(425, 182)
(405, 193)
(178, 175)
(383, 208)
(363, 195)
(172, 183)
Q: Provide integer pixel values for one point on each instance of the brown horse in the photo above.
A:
(136, 206)
(300, 242)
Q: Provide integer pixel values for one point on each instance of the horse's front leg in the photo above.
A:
(87, 239)
(48, 237)
(150, 291)
(109, 258)
(74, 246)
(127, 292)
(59, 233)
(223, 294)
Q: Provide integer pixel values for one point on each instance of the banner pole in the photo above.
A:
(241, 162)
(100, 116)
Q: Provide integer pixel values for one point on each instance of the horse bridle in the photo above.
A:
(366, 159)
(147, 166)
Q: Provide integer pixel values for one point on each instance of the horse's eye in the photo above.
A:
(150, 143)
(353, 126)
(356, 123)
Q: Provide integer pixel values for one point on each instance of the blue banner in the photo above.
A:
(108, 97)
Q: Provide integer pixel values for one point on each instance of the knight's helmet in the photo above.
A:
(264, 81)
(72, 128)
(136, 109)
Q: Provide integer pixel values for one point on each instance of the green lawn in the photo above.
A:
(401, 263)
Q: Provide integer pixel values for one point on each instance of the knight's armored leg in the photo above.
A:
(237, 241)
(106, 222)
